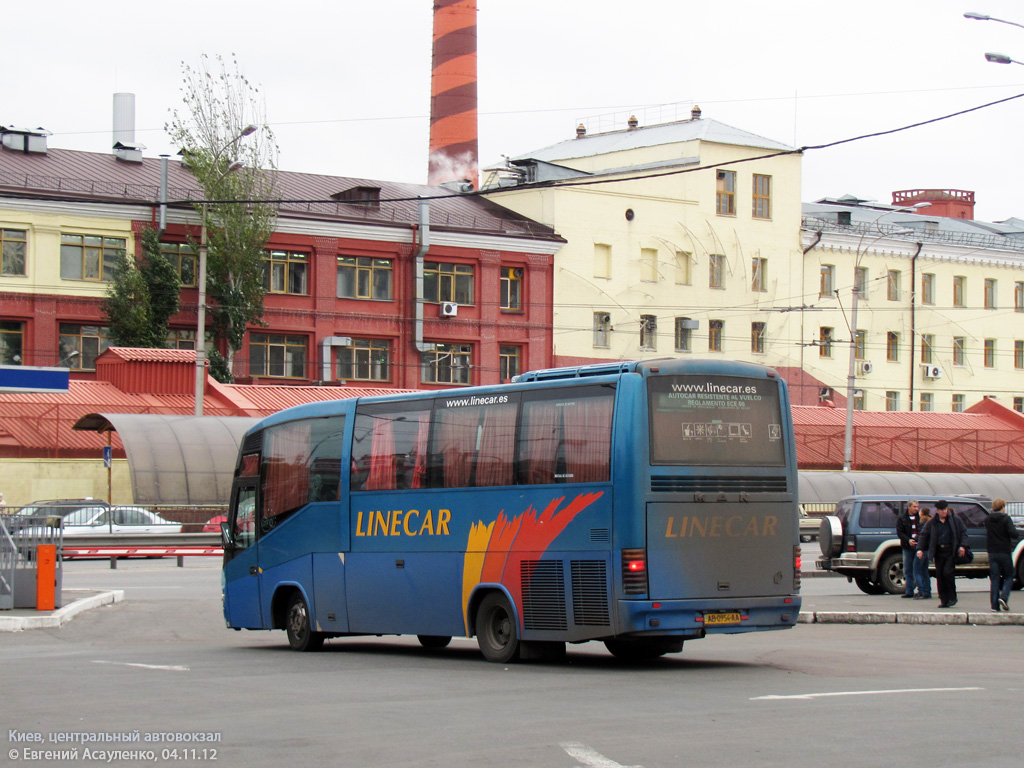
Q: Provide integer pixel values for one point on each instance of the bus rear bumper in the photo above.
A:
(713, 616)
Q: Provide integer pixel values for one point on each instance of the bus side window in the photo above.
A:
(473, 446)
(389, 447)
(244, 532)
(565, 436)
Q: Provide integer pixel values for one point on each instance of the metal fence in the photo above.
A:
(20, 539)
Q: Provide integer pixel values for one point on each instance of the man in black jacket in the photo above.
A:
(1000, 534)
(944, 538)
(907, 528)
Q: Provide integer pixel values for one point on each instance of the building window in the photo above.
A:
(181, 338)
(715, 329)
(602, 260)
(448, 282)
(825, 339)
(827, 284)
(446, 364)
(725, 199)
(683, 264)
(892, 400)
(858, 399)
(648, 332)
(1018, 354)
(1018, 404)
(649, 265)
(959, 350)
(602, 329)
(762, 208)
(927, 401)
(958, 403)
(927, 288)
(892, 285)
(860, 345)
(860, 282)
(716, 270)
(511, 287)
(183, 258)
(509, 362)
(285, 272)
(990, 293)
(990, 353)
(12, 343)
(277, 355)
(892, 347)
(1018, 297)
(364, 277)
(959, 291)
(13, 244)
(684, 333)
(758, 274)
(365, 360)
(927, 347)
(80, 345)
(757, 338)
(90, 257)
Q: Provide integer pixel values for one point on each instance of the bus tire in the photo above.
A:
(642, 649)
(299, 628)
(496, 630)
(434, 642)
(890, 573)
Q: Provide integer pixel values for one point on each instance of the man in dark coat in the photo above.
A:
(907, 528)
(1000, 535)
(944, 538)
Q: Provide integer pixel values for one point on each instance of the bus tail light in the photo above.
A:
(634, 571)
(798, 564)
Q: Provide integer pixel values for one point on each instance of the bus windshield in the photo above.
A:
(715, 421)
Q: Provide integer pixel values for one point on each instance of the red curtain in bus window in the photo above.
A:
(538, 451)
(287, 469)
(455, 441)
(588, 439)
(382, 456)
(497, 446)
(419, 473)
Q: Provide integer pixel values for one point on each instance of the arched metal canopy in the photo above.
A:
(176, 459)
(820, 487)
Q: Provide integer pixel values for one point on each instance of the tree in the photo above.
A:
(142, 297)
(229, 149)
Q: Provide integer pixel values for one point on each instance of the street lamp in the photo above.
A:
(201, 309)
(852, 373)
(984, 17)
(1001, 58)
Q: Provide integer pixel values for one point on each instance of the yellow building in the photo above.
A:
(683, 238)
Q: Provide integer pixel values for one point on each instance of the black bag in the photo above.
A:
(968, 557)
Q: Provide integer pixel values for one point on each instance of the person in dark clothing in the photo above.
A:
(944, 538)
(1000, 535)
(907, 528)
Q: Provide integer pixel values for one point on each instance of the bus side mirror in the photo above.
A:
(225, 535)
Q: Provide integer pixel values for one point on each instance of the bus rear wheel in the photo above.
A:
(497, 633)
(298, 626)
(643, 649)
(434, 642)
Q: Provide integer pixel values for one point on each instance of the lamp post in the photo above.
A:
(201, 308)
(1001, 58)
(852, 372)
(983, 17)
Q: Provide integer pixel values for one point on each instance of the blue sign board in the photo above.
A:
(27, 378)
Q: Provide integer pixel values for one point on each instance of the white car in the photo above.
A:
(103, 521)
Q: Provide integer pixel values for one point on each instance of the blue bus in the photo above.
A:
(640, 504)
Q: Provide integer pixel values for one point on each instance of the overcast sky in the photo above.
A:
(347, 84)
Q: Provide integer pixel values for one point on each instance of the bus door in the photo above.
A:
(241, 558)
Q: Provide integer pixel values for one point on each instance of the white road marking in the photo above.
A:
(860, 693)
(590, 758)
(167, 667)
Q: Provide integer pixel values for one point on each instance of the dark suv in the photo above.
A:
(859, 540)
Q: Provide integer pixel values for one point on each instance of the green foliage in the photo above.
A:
(231, 152)
(219, 367)
(163, 280)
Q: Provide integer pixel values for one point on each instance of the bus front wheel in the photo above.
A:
(301, 636)
(497, 633)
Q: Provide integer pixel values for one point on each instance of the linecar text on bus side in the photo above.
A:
(397, 522)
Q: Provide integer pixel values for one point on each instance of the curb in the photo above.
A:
(871, 617)
(61, 616)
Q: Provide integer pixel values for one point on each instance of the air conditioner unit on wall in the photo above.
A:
(932, 371)
(449, 309)
(864, 367)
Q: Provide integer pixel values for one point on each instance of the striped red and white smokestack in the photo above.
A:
(453, 127)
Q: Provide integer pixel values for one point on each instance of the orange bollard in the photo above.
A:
(46, 576)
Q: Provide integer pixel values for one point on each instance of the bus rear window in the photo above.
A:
(715, 421)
